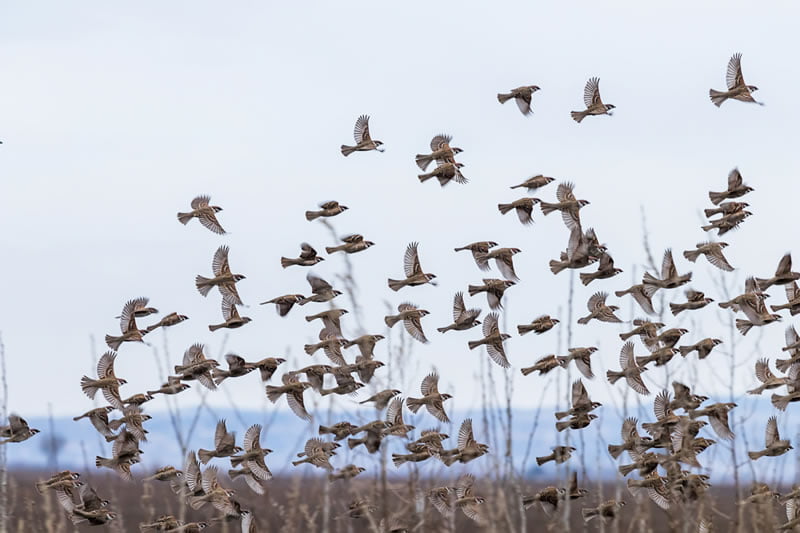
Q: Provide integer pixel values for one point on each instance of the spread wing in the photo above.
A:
(105, 366)
(668, 270)
(219, 265)
(430, 384)
(771, 435)
(458, 306)
(733, 77)
(734, 179)
(252, 438)
(201, 201)
(438, 142)
(465, 436)
(361, 131)
(411, 260)
(591, 93)
(564, 192)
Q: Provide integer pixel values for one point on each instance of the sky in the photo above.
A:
(113, 117)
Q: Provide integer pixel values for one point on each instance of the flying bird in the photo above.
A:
(327, 209)
(223, 278)
(364, 142)
(205, 213)
(737, 88)
(522, 96)
(594, 105)
(413, 270)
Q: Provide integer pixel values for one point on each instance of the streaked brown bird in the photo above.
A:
(670, 279)
(717, 415)
(308, 257)
(468, 448)
(432, 399)
(172, 386)
(219, 497)
(523, 207)
(725, 208)
(231, 316)
(702, 347)
(561, 454)
(582, 358)
(411, 316)
(17, 430)
(107, 382)
(223, 278)
(667, 338)
(255, 484)
(534, 182)
(293, 389)
(381, 399)
(395, 425)
(463, 318)
(413, 270)
(694, 300)
(364, 141)
(445, 173)
(252, 457)
(327, 209)
(441, 152)
(567, 203)
(205, 213)
(346, 472)
(522, 96)
(542, 365)
(736, 189)
(579, 421)
(127, 324)
(494, 289)
(737, 88)
(331, 344)
(539, 325)
(783, 274)
(467, 501)
(581, 403)
(366, 344)
(99, 419)
(605, 270)
(599, 310)
(594, 105)
(684, 398)
(767, 378)
(727, 222)
(340, 430)
(237, 367)
(773, 445)
(493, 340)
(639, 296)
(352, 244)
(195, 365)
(284, 304)
(645, 329)
(713, 252)
(630, 370)
(504, 260)
(331, 320)
(607, 511)
(792, 299)
(317, 452)
(224, 444)
(479, 249)
(169, 320)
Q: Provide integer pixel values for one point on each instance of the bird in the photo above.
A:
(65, 478)
(327, 209)
(594, 105)
(579, 421)
(727, 222)
(630, 438)
(493, 340)
(630, 370)
(220, 498)
(548, 498)
(224, 444)
(783, 274)
(523, 207)
(107, 382)
(364, 141)
(308, 257)
(340, 430)
(331, 344)
(561, 454)
(237, 367)
(411, 316)
(792, 299)
(463, 318)
(133, 418)
(607, 511)
(767, 378)
(640, 296)
(99, 419)
(670, 279)
(694, 300)
(395, 425)
(445, 173)
(169, 320)
(468, 448)
(127, 324)
(413, 270)
(352, 244)
(645, 329)
(567, 203)
(255, 484)
(317, 452)
(223, 278)
(522, 96)
(494, 289)
(713, 252)
(582, 358)
(441, 152)
(252, 457)
(293, 389)
(195, 365)
(581, 403)
(366, 344)
(467, 501)
(717, 415)
(504, 259)
(478, 250)
(231, 316)
(773, 445)
(331, 320)
(599, 310)
(381, 399)
(205, 213)
(17, 430)
(284, 304)
(172, 386)
(321, 291)
(737, 88)
(432, 399)
(702, 347)
(535, 183)
(346, 472)
(539, 325)
(736, 189)
(543, 365)
(605, 270)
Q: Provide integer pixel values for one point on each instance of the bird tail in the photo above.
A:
(776, 308)
(584, 320)
(613, 377)
(707, 227)
(615, 450)
(113, 342)
(450, 460)
(444, 329)
(474, 344)
(312, 215)
(755, 455)
(398, 459)
(780, 402)
(41, 487)
(676, 308)
(423, 161)
(203, 287)
(783, 364)
(577, 116)
(504, 97)
(347, 150)
(414, 404)
(295, 463)
(205, 455)
(717, 97)
(627, 469)
(649, 279)
(352, 443)
(692, 255)
(196, 502)
(561, 426)
(743, 326)
(474, 289)
(424, 177)
(685, 350)
(184, 218)
(150, 329)
(391, 320)
(557, 266)
(332, 249)
(528, 370)
(542, 460)
(587, 277)
(102, 462)
(716, 197)
(547, 208)
(525, 328)
(324, 430)
(273, 393)
(396, 285)
(88, 388)
(310, 349)
(561, 414)
(285, 262)
(505, 208)
(625, 336)
(215, 327)
(710, 213)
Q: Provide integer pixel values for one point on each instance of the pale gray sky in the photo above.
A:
(114, 117)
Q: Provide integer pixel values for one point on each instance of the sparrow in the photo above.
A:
(468, 448)
(220, 498)
(737, 88)
(703, 347)
(534, 183)
(762, 320)
(63, 479)
(284, 304)
(727, 223)
(607, 511)
(522, 96)
(395, 425)
(317, 452)
(670, 279)
(503, 258)
(195, 365)
(523, 207)
(224, 444)
(463, 319)
(644, 328)
(582, 250)
(792, 340)
(582, 358)
(352, 244)
(630, 370)
(169, 320)
(713, 252)
(315, 374)
(717, 415)
(792, 299)
(548, 499)
(539, 325)
(358, 509)
(694, 300)
(331, 344)
(413, 270)
(381, 399)
(255, 484)
(17, 430)
(667, 338)
(543, 365)
(99, 419)
(374, 436)
(599, 310)
(581, 403)
(94, 513)
(479, 249)
(366, 344)
(423, 454)
(751, 302)
(725, 208)
(321, 290)
(640, 296)
(252, 457)
(308, 257)
(167, 473)
(106, 381)
(125, 452)
(494, 289)
(205, 213)
(561, 454)
(736, 189)
(340, 430)
(630, 438)
(364, 142)
(223, 279)
(493, 340)
(594, 105)
(412, 320)
(432, 399)
(293, 389)
(684, 399)
(237, 367)
(330, 320)
(783, 274)
(127, 324)
(133, 418)
(231, 316)
(445, 173)
(773, 445)
(350, 387)
(467, 501)
(441, 152)
(191, 527)
(430, 439)
(767, 378)
(576, 422)
(327, 209)
(172, 386)
(567, 203)
(604, 270)
(346, 472)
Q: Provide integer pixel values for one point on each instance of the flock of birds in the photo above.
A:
(662, 458)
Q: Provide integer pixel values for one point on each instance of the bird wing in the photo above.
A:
(668, 270)
(295, 400)
(413, 325)
(361, 131)
(564, 192)
(317, 284)
(628, 430)
(597, 301)
(626, 355)
(353, 238)
(229, 311)
(430, 384)
(579, 394)
(307, 251)
(209, 221)
(733, 76)
(411, 260)
(394, 413)
(252, 438)
(785, 265)
(771, 435)
(490, 326)
(201, 201)
(220, 433)
(458, 307)
(497, 353)
(105, 366)
(591, 93)
(763, 373)
(235, 362)
(661, 405)
(464, 485)
(505, 264)
(220, 265)
(333, 204)
(466, 439)
(439, 141)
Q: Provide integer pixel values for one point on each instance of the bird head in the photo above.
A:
(423, 312)
(534, 88)
(555, 320)
(446, 396)
(378, 338)
(752, 88)
(367, 244)
(683, 331)
(459, 165)
(121, 381)
(456, 150)
(379, 146)
(216, 208)
(34, 431)
(583, 203)
(184, 386)
(360, 469)
(318, 259)
(610, 106)
(617, 271)
(595, 405)
(238, 277)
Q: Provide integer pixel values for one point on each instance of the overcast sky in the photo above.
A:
(113, 117)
